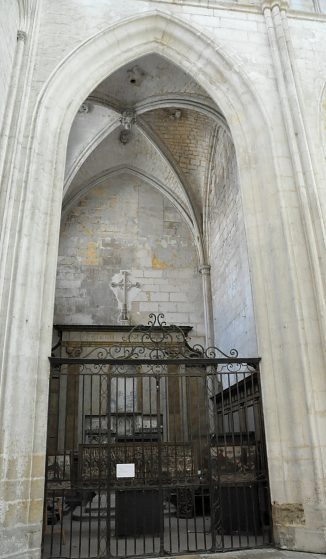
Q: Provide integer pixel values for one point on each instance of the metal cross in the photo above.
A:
(125, 285)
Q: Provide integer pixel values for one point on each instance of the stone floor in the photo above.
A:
(256, 554)
(83, 543)
(84, 533)
(87, 537)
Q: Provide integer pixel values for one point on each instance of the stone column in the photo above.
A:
(297, 525)
(205, 272)
(8, 146)
(8, 123)
(23, 373)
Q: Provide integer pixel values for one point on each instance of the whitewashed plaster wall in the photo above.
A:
(124, 224)
(234, 324)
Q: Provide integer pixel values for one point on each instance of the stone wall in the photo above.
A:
(234, 324)
(127, 226)
(8, 39)
(301, 5)
(308, 5)
(270, 97)
(188, 139)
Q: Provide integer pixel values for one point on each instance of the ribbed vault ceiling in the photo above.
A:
(174, 126)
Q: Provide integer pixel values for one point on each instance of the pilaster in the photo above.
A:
(305, 535)
(21, 463)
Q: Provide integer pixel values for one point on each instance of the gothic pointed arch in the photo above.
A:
(41, 193)
(91, 62)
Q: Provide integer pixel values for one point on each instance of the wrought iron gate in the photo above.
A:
(154, 448)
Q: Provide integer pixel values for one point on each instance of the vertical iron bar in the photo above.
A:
(190, 434)
(159, 449)
(90, 383)
(52, 522)
(152, 435)
(125, 436)
(133, 432)
(108, 462)
(214, 494)
(68, 373)
(46, 490)
(142, 438)
(219, 431)
(99, 538)
(117, 437)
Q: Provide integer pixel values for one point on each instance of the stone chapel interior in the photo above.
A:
(152, 223)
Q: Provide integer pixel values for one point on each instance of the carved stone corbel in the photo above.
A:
(270, 4)
(205, 270)
(84, 108)
(127, 120)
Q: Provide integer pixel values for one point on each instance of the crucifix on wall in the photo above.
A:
(125, 291)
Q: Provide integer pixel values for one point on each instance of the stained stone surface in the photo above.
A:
(266, 72)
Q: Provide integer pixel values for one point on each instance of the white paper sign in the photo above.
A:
(125, 470)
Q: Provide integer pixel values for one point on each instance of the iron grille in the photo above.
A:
(154, 448)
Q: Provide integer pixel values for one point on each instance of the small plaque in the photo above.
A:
(125, 470)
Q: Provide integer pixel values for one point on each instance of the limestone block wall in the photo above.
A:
(127, 226)
(242, 33)
(188, 138)
(245, 33)
(308, 5)
(234, 325)
(304, 5)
